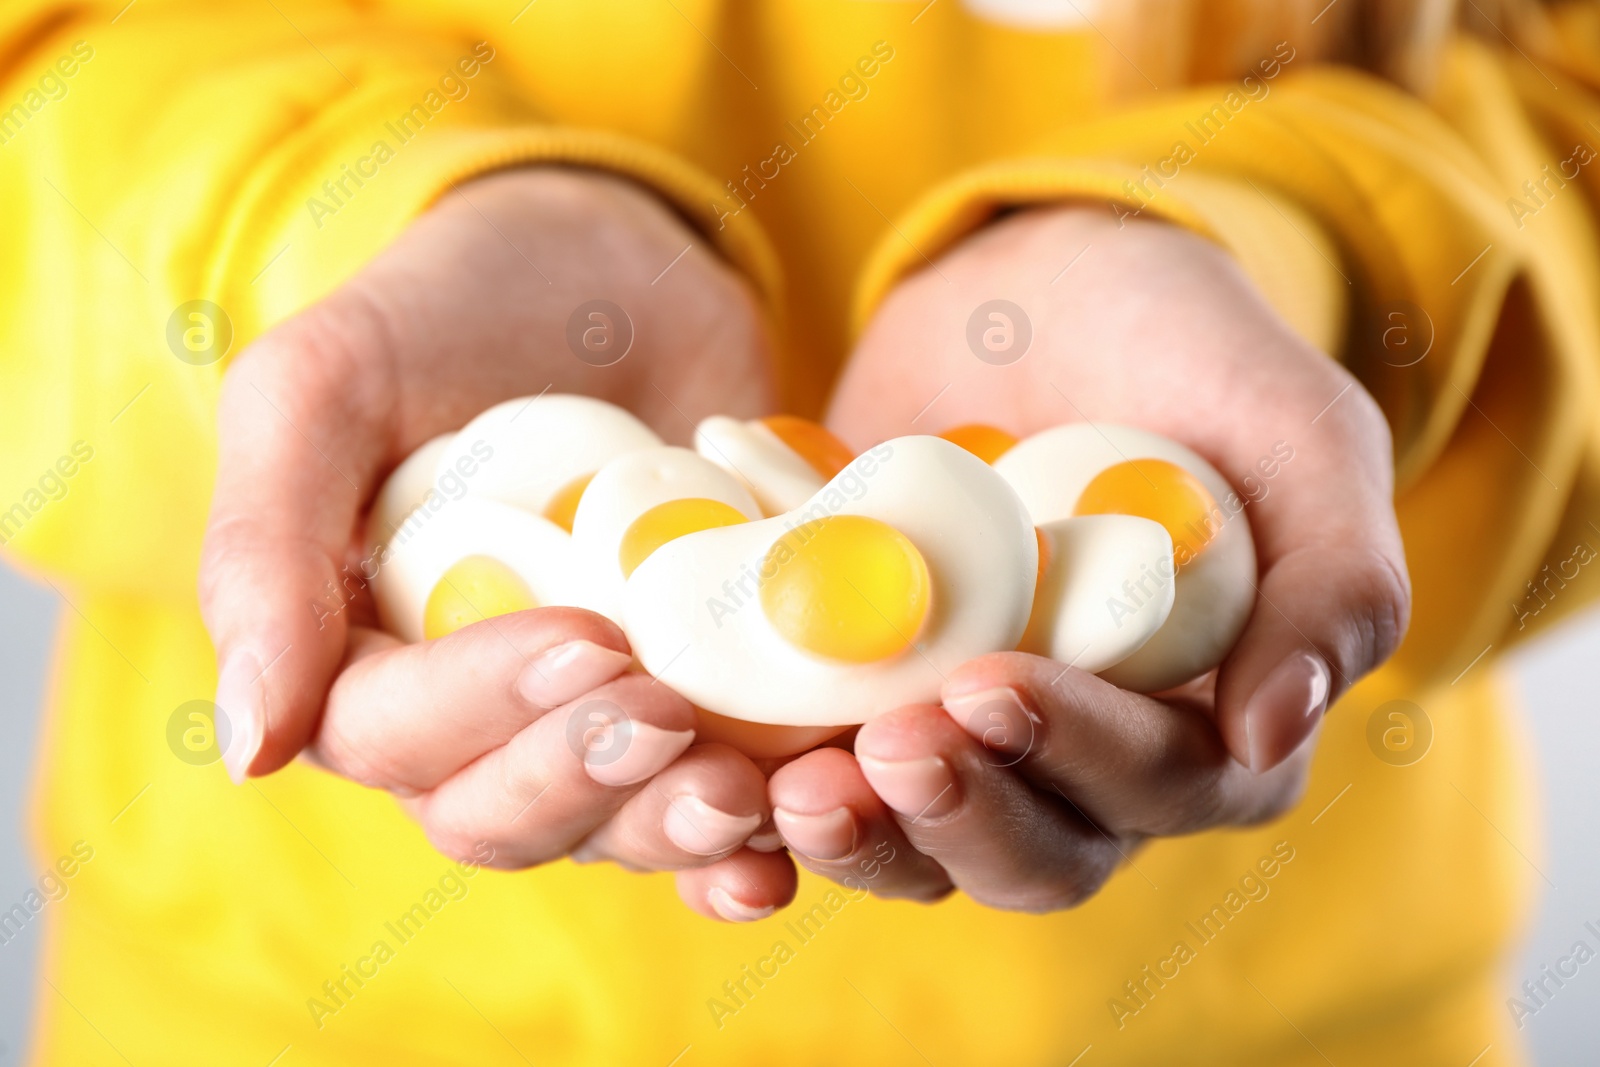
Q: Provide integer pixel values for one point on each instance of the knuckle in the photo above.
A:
(1382, 606)
(1393, 615)
(1363, 593)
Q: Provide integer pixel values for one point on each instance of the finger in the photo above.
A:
(1323, 619)
(836, 826)
(1129, 764)
(1003, 843)
(746, 886)
(704, 806)
(298, 453)
(1333, 598)
(552, 784)
(406, 717)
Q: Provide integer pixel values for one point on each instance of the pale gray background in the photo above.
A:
(27, 616)
(1557, 677)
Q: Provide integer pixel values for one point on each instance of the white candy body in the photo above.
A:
(1213, 594)
(539, 445)
(405, 489)
(625, 489)
(777, 476)
(693, 613)
(431, 542)
(1107, 589)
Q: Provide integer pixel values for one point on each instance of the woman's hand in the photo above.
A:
(1033, 781)
(492, 732)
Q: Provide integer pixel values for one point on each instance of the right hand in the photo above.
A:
(482, 731)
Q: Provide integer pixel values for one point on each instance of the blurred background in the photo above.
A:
(1556, 677)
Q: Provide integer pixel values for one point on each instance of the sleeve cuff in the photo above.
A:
(1284, 251)
(324, 203)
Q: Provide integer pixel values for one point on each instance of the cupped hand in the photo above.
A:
(1034, 780)
(468, 307)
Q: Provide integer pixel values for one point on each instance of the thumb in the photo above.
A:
(1324, 616)
(300, 443)
(1334, 598)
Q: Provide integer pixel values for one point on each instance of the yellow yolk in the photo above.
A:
(1045, 554)
(988, 443)
(846, 587)
(1044, 558)
(813, 443)
(564, 504)
(668, 522)
(1158, 490)
(474, 589)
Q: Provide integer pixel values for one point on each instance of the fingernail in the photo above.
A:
(239, 697)
(631, 751)
(829, 836)
(697, 827)
(766, 839)
(1285, 709)
(723, 904)
(567, 671)
(920, 788)
(996, 717)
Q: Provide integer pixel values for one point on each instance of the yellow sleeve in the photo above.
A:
(188, 152)
(1377, 225)
(1551, 201)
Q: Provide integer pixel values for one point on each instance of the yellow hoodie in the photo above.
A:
(255, 154)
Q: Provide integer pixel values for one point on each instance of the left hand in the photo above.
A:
(1033, 781)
